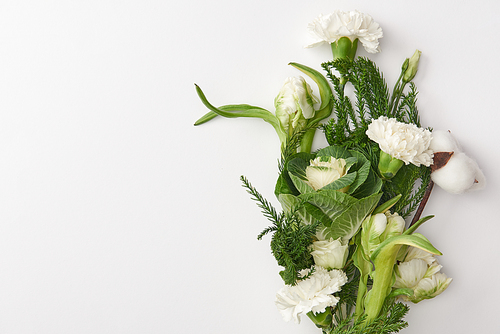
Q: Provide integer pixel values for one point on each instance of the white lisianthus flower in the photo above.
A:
(402, 141)
(329, 254)
(314, 293)
(294, 102)
(458, 174)
(320, 173)
(353, 24)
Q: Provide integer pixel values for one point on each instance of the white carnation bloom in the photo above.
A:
(402, 141)
(353, 24)
(320, 173)
(314, 293)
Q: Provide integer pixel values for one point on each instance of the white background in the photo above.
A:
(117, 215)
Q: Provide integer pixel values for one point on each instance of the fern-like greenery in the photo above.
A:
(373, 99)
(390, 321)
(291, 238)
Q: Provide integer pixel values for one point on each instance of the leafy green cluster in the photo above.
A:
(390, 321)
(291, 239)
(373, 99)
(404, 183)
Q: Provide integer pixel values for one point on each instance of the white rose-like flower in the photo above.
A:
(311, 294)
(402, 141)
(294, 102)
(353, 24)
(329, 254)
(320, 173)
(460, 173)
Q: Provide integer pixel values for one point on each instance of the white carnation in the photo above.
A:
(353, 24)
(314, 293)
(402, 141)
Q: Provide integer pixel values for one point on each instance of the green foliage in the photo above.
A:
(373, 100)
(348, 127)
(291, 238)
(411, 182)
(390, 321)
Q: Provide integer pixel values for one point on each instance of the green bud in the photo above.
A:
(344, 47)
(410, 72)
(388, 165)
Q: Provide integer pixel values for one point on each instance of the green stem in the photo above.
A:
(384, 267)
(306, 143)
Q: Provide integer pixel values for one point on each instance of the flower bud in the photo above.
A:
(410, 72)
(329, 254)
(372, 229)
(294, 103)
(395, 226)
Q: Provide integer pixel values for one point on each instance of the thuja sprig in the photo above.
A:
(291, 238)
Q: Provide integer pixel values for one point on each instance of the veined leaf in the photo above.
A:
(334, 151)
(348, 223)
(301, 186)
(343, 182)
(362, 175)
(291, 203)
(330, 202)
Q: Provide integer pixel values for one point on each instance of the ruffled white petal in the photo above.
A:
(405, 142)
(314, 293)
(353, 24)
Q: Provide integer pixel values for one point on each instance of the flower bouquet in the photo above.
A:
(346, 236)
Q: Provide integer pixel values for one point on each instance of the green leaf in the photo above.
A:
(387, 205)
(325, 91)
(341, 183)
(348, 223)
(334, 151)
(362, 175)
(242, 110)
(401, 292)
(291, 203)
(416, 240)
(417, 224)
(330, 202)
(301, 186)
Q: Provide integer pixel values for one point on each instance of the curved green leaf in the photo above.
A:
(416, 240)
(417, 224)
(325, 91)
(242, 110)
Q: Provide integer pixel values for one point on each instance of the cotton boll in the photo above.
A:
(460, 174)
(443, 141)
